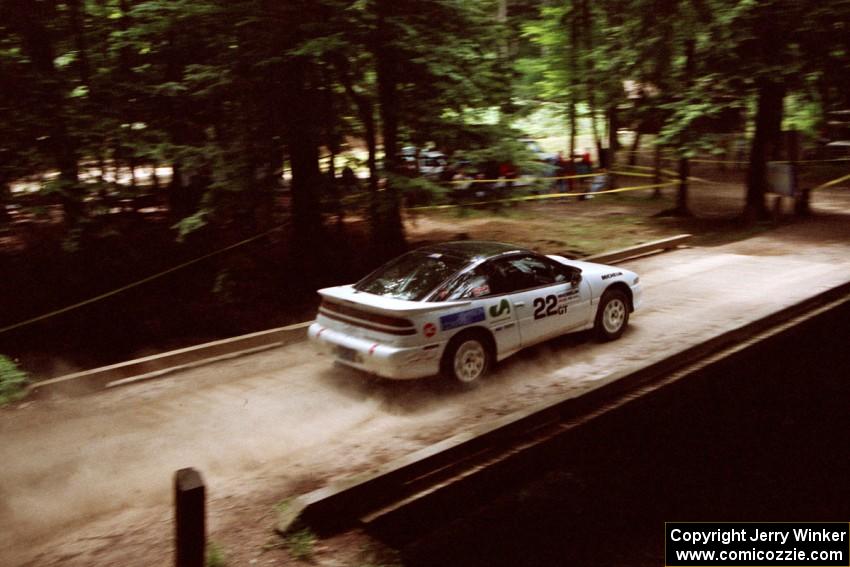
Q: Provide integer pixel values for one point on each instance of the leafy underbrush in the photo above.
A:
(13, 381)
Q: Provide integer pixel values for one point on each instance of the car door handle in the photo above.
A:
(519, 303)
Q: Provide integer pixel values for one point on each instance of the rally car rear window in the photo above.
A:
(412, 276)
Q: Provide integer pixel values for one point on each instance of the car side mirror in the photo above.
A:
(575, 279)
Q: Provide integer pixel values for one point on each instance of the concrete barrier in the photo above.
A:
(171, 361)
(639, 250)
(405, 484)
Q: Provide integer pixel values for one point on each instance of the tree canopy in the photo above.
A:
(237, 99)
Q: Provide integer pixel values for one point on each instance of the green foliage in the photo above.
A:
(224, 287)
(225, 91)
(802, 114)
(13, 381)
(503, 150)
(190, 224)
(301, 544)
(418, 191)
(215, 556)
(283, 505)
(378, 555)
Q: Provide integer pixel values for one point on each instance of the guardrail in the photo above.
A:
(158, 365)
(640, 249)
(406, 490)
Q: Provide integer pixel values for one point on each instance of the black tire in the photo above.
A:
(612, 315)
(467, 358)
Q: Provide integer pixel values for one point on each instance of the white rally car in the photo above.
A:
(457, 308)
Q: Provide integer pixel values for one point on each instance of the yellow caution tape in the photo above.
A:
(831, 183)
(692, 160)
(650, 168)
(542, 197)
(530, 178)
(818, 160)
(136, 283)
(675, 174)
(632, 173)
(522, 179)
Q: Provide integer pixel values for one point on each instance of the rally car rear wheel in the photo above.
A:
(467, 358)
(612, 315)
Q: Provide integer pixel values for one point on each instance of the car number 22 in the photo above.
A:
(545, 306)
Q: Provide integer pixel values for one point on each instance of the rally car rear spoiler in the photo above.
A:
(347, 295)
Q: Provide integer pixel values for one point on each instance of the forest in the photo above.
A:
(140, 135)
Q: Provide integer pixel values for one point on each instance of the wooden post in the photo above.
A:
(801, 196)
(189, 518)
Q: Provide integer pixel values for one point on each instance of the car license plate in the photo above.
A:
(345, 353)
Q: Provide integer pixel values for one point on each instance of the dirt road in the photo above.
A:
(86, 481)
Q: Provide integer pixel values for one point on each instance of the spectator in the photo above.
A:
(584, 167)
(561, 170)
(348, 181)
(508, 172)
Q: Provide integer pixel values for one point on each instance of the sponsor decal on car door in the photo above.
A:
(550, 311)
(501, 318)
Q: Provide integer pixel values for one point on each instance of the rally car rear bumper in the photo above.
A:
(376, 358)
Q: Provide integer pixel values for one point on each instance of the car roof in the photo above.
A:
(472, 250)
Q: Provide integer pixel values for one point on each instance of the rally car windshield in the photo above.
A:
(411, 276)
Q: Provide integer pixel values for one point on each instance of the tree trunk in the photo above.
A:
(303, 145)
(178, 203)
(31, 20)
(389, 238)
(613, 146)
(634, 149)
(502, 19)
(589, 72)
(372, 159)
(367, 116)
(572, 136)
(656, 171)
(574, 82)
(597, 138)
(76, 13)
(682, 209)
(331, 131)
(768, 122)
(5, 197)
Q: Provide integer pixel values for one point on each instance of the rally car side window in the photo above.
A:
(471, 285)
(563, 273)
(517, 273)
(412, 276)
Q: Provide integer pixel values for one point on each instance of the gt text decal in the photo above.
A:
(567, 295)
(462, 318)
(546, 306)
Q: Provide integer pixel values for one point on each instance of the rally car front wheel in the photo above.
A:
(467, 358)
(612, 315)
